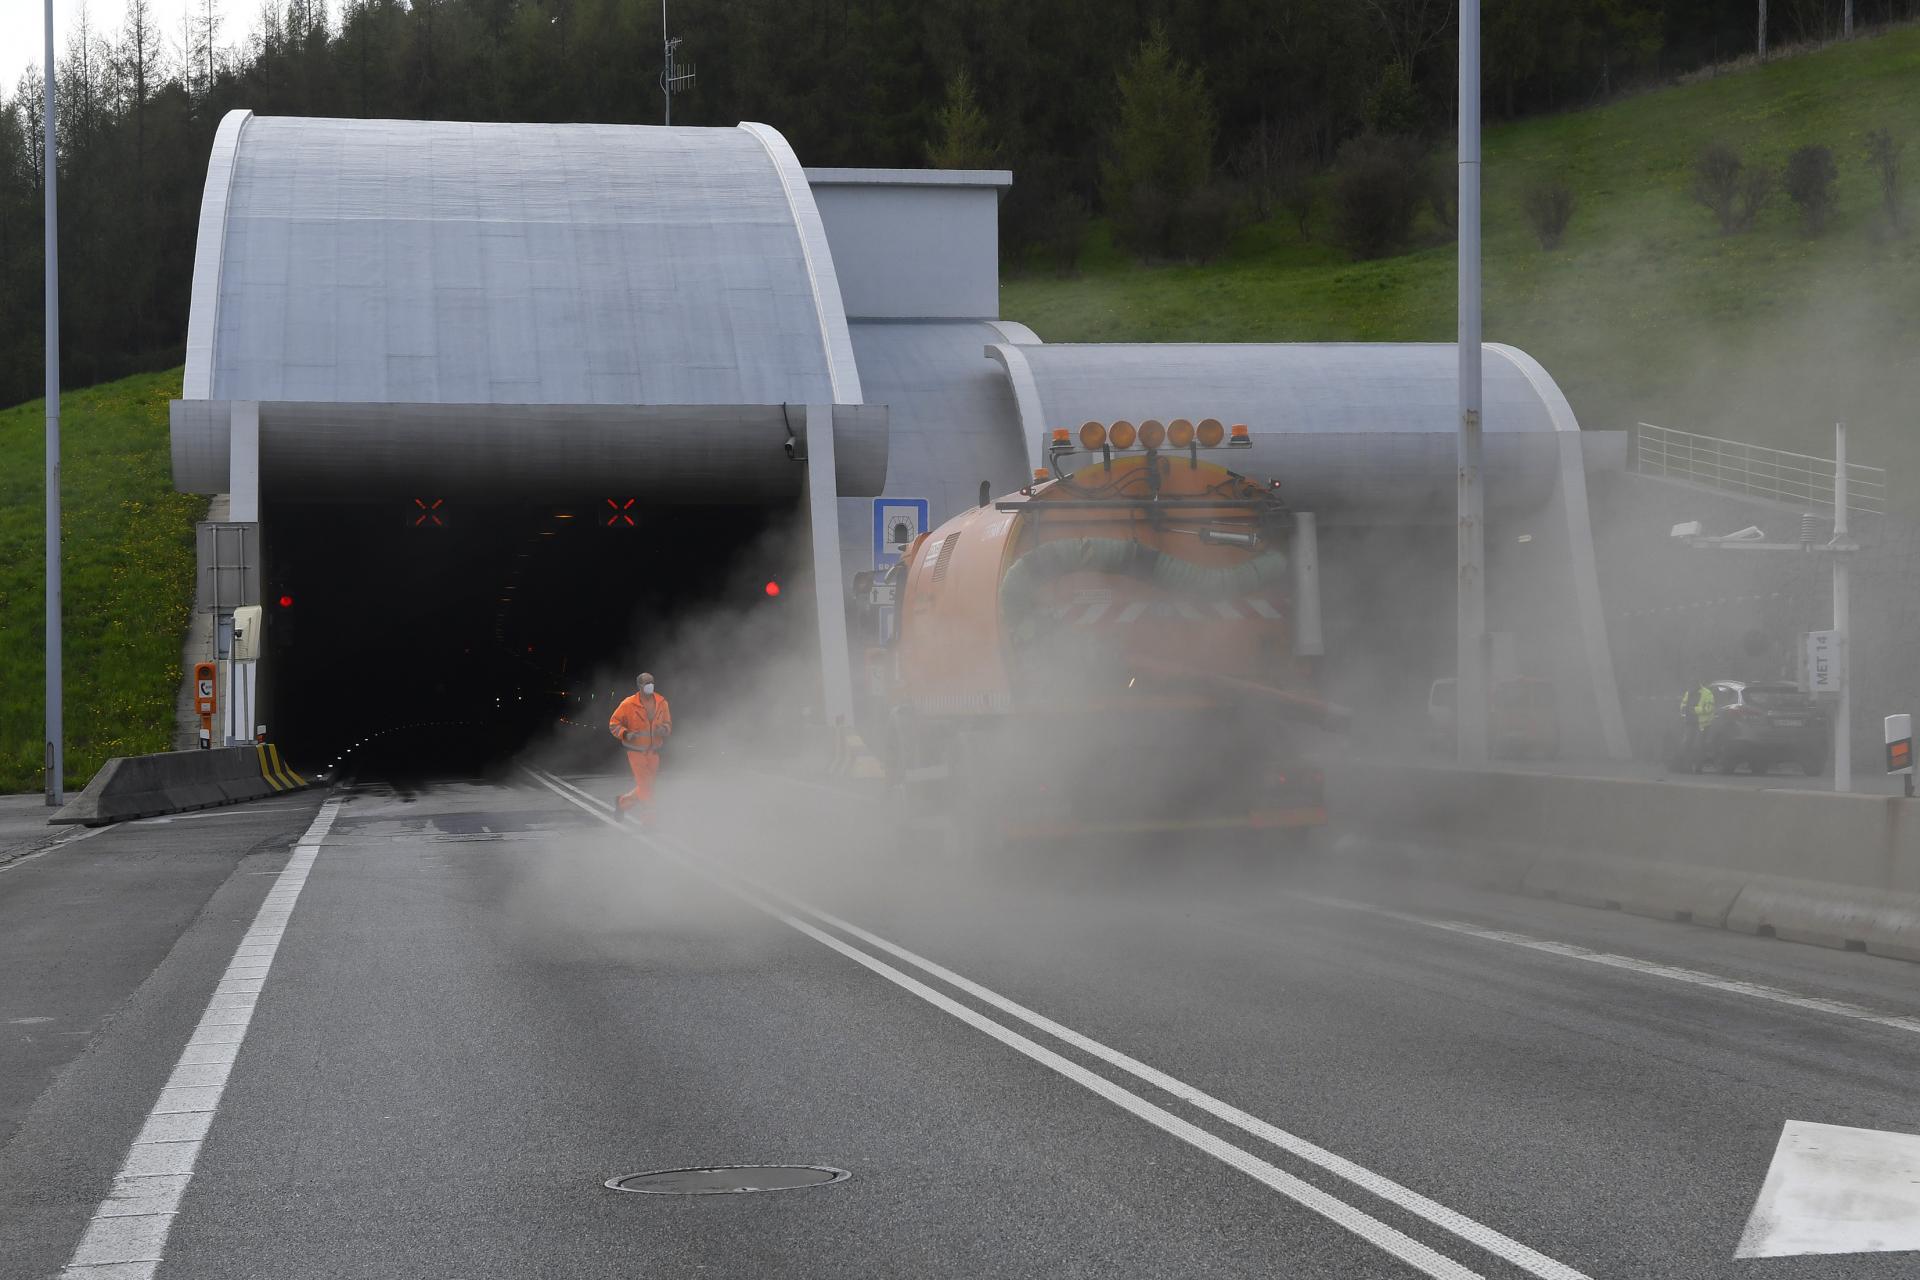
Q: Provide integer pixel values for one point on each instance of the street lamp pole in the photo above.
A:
(1470, 683)
(55, 727)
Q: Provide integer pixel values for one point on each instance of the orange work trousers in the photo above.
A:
(645, 764)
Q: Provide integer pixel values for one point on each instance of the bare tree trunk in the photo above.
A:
(1763, 30)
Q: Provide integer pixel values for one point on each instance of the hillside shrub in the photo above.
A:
(1549, 208)
(1378, 185)
(1883, 153)
(1732, 191)
(1061, 233)
(1810, 175)
(1204, 223)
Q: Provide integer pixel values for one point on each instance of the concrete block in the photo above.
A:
(1881, 921)
(169, 782)
(1663, 890)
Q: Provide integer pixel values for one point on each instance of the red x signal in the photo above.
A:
(428, 513)
(618, 514)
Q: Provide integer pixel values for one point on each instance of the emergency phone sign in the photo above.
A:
(896, 523)
(205, 700)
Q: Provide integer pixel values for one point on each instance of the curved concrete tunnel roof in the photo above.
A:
(416, 263)
(1348, 428)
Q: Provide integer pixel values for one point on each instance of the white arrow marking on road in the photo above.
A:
(1832, 1189)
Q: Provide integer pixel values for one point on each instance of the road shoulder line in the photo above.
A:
(127, 1236)
(1631, 964)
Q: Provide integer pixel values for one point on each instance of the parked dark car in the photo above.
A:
(1758, 725)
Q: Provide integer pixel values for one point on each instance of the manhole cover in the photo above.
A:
(725, 1179)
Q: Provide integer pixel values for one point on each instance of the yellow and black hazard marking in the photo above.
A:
(279, 775)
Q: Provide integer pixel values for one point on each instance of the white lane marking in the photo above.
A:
(1387, 1189)
(128, 1234)
(1834, 1189)
(224, 811)
(1632, 964)
(1369, 1228)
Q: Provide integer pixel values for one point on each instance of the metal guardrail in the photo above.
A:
(1737, 467)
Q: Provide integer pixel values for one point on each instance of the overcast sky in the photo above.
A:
(21, 30)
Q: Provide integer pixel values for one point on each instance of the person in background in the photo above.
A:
(1696, 708)
(641, 724)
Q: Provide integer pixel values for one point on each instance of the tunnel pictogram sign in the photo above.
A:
(896, 523)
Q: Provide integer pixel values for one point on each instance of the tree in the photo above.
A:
(1810, 176)
(1394, 108)
(141, 69)
(1883, 152)
(962, 137)
(1161, 148)
(1733, 192)
(1378, 185)
(1549, 208)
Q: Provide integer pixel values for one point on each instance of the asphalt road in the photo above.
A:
(420, 1046)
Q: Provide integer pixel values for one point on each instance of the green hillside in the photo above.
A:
(1646, 312)
(129, 576)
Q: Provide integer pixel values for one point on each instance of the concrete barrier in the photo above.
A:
(178, 781)
(1810, 866)
(1883, 922)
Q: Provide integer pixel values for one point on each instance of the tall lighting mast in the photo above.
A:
(1470, 681)
(56, 762)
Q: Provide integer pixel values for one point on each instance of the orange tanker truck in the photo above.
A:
(1111, 649)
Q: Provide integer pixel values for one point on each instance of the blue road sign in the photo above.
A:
(896, 523)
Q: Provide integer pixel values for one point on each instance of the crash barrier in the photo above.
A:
(1809, 866)
(177, 781)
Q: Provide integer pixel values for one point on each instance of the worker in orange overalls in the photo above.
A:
(641, 724)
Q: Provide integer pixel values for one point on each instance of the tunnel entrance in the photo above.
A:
(426, 638)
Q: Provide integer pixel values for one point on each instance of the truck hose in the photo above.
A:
(1021, 590)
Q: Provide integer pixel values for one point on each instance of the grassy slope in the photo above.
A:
(1646, 313)
(129, 576)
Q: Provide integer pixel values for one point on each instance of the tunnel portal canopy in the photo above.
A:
(499, 305)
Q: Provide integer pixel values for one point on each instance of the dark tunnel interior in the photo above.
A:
(411, 640)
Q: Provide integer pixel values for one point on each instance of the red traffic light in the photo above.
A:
(286, 602)
(772, 588)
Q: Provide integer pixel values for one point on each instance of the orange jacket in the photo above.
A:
(642, 722)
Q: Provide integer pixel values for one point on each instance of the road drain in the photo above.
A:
(729, 1179)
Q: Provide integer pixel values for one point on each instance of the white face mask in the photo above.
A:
(646, 688)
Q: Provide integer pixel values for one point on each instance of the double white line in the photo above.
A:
(814, 923)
